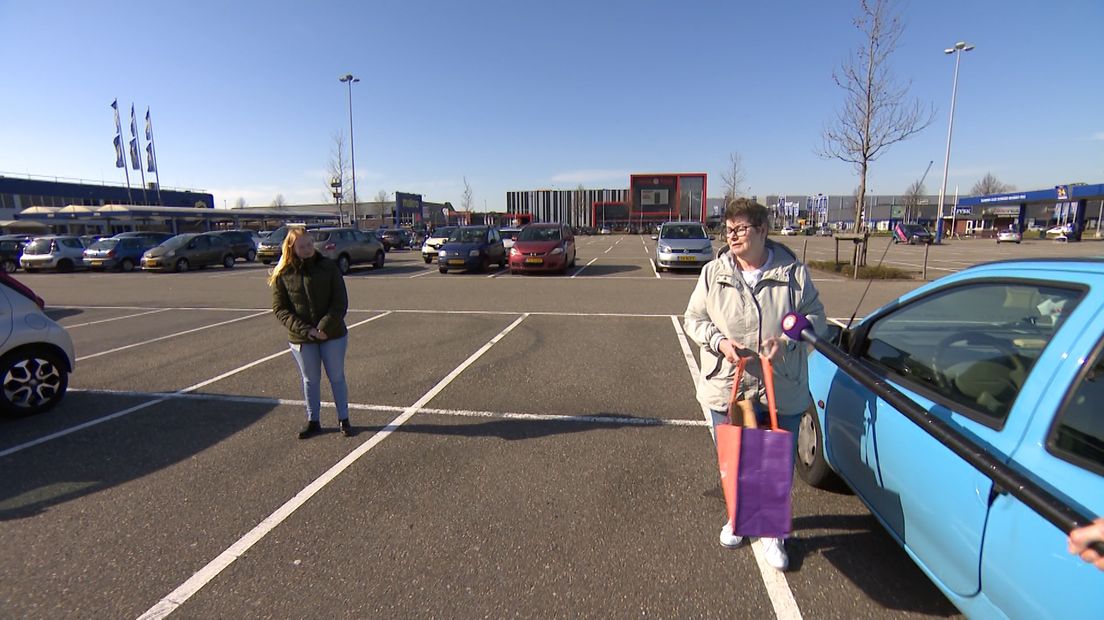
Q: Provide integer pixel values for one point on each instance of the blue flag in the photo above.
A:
(150, 166)
(133, 123)
(149, 126)
(119, 161)
(134, 161)
(118, 127)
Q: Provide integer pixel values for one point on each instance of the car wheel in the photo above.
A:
(9, 266)
(343, 264)
(428, 260)
(442, 270)
(182, 265)
(266, 262)
(250, 256)
(228, 261)
(378, 263)
(65, 265)
(34, 379)
(810, 463)
(127, 265)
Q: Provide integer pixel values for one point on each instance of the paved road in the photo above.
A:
(527, 446)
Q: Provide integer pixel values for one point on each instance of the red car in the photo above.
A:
(543, 247)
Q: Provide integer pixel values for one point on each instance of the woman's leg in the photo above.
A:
(333, 357)
(308, 358)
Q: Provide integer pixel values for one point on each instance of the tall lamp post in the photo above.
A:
(957, 50)
(350, 80)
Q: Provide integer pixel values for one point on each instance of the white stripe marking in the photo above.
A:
(204, 576)
(418, 275)
(161, 399)
(654, 270)
(580, 269)
(174, 335)
(117, 318)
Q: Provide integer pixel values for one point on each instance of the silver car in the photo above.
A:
(682, 245)
(349, 247)
(61, 253)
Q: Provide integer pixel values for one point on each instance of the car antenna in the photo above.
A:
(869, 281)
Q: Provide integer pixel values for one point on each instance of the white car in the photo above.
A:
(36, 354)
(434, 241)
(509, 236)
(56, 252)
(1009, 235)
(788, 231)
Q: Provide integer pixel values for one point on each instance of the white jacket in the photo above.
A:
(723, 306)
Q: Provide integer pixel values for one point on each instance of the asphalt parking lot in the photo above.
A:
(526, 446)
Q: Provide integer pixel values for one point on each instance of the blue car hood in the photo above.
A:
(461, 247)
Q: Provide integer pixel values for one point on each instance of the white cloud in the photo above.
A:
(591, 176)
(1097, 136)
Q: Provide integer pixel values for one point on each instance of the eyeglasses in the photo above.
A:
(739, 231)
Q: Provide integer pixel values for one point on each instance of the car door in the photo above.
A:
(495, 249)
(962, 352)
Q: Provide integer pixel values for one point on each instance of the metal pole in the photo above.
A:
(352, 150)
(957, 51)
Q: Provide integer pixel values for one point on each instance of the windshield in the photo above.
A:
(913, 229)
(277, 236)
(539, 234)
(443, 232)
(178, 241)
(104, 244)
(688, 231)
(468, 235)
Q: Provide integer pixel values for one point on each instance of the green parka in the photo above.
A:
(311, 294)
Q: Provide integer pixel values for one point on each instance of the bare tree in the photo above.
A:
(990, 184)
(733, 177)
(338, 174)
(279, 202)
(466, 199)
(876, 112)
(913, 195)
(239, 203)
(578, 205)
(381, 200)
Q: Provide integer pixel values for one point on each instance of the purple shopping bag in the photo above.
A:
(756, 468)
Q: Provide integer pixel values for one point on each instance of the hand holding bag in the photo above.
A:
(756, 466)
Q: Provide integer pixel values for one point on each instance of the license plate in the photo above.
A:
(534, 260)
(151, 263)
(687, 259)
(456, 261)
(97, 263)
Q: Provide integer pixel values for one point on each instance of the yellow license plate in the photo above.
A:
(456, 261)
(534, 260)
(97, 263)
(687, 259)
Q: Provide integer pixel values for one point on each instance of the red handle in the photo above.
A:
(768, 382)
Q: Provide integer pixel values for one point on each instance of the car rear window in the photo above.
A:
(104, 244)
(39, 246)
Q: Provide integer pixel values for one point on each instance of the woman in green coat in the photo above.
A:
(309, 298)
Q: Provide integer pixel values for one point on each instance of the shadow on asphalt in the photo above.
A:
(388, 270)
(522, 429)
(107, 455)
(605, 270)
(861, 550)
(58, 314)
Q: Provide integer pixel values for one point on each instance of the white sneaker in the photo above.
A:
(774, 551)
(728, 539)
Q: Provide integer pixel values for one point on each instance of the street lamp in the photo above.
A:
(957, 50)
(350, 80)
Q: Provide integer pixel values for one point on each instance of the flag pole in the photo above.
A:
(152, 158)
(136, 155)
(120, 156)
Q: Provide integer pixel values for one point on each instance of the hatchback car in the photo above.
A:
(269, 250)
(348, 247)
(543, 247)
(36, 354)
(682, 245)
(241, 243)
(509, 236)
(122, 253)
(1009, 235)
(434, 241)
(57, 252)
(395, 238)
(188, 251)
(474, 248)
(11, 250)
(911, 234)
(788, 231)
(1010, 356)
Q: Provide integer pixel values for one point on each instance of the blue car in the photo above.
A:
(122, 253)
(473, 248)
(1009, 358)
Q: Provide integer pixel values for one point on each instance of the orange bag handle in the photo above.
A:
(768, 382)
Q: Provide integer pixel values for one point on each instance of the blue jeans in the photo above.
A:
(311, 357)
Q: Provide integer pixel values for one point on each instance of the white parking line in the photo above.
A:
(177, 597)
(174, 335)
(580, 269)
(139, 407)
(117, 318)
(778, 589)
(418, 275)
(498, 273)
(654, 270)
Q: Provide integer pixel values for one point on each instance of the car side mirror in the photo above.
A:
(655, 237)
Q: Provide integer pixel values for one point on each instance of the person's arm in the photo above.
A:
(701, 328)
(339, 303)
(285, 312)
(1081, 538)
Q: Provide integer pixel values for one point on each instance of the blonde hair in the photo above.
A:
(287, 254)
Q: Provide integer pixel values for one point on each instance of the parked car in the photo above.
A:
(824, 231)
(681, 245)
(1009, 235)
(788, 231)
(605, 230)
(349, 247)
(543, 247)
(189, 251)
(88, 240)
(474, 248)
(268, 251)
(122, 253)
(509, 236)
(1010, 355)
(11, 250)
(241, 243)
(434, 241)
(152, 238)
(57, 252)
(36, 354)
(911, 234)
(394, 238)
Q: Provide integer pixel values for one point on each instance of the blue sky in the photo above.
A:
(537, 94)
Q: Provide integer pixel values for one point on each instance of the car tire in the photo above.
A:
(428, 260)
(343, 264)
(250, 256)
(809, 459)
(181, 265)
(18, 397)
(65, 265)
(9, 266)
(378, 263)
(228, 261)
(126, 265)
(266, 262)
(442, 270)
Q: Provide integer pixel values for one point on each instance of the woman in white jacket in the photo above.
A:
(736, 311)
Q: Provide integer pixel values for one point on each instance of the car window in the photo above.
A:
(974, 345)
(72, 243)
(539, 233)
(348, 235)
(468, 235)
(687, 231)
(1078, 432)
(202, 242)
